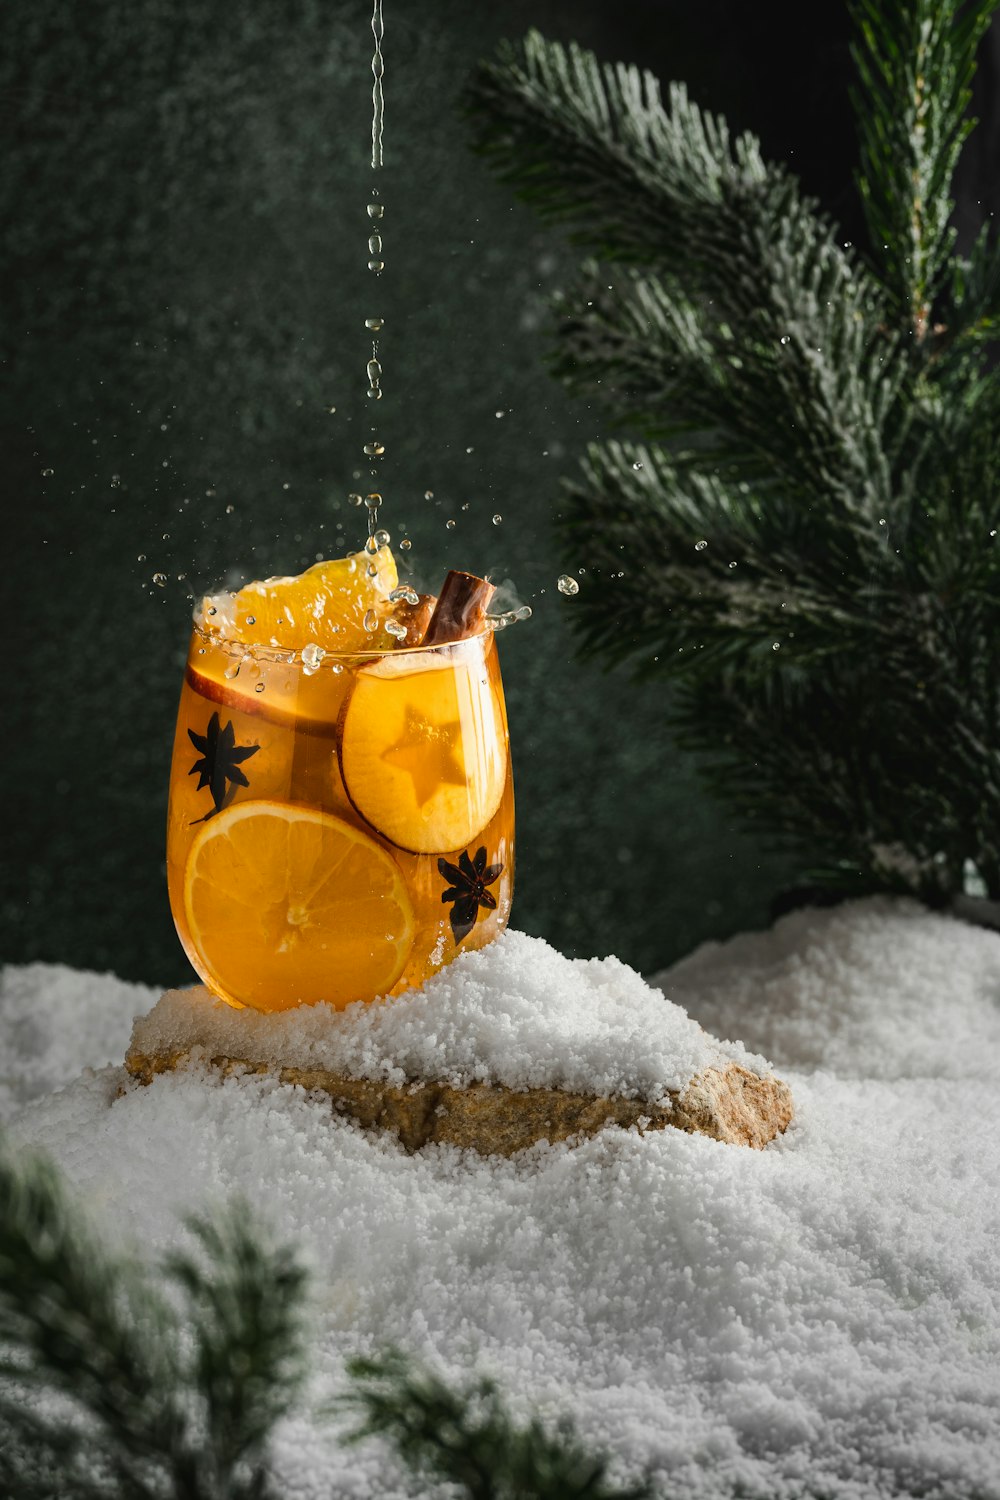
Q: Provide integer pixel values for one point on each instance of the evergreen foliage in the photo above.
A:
(112, 1388)
(797, 525)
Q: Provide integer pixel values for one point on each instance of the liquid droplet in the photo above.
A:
(784, 338)
(233, 670)
(700, 546)
(499, 414)
(374, 500)
(376, 266)
(374, 450)
(372, 571)
(405, 544)
(258, 687)
(312, 656)
(567, 585)
(354, 498)
(374, 324)
(375, 210)
(116, 481)
(336, 668)
(375, 243)
(141, 557)
(396, 628)
(370, 620)
(450, 525)
(375, 393)
(405, 592)
(497, 519)
(230, 509)
(251, 619)
(732, 565)
(371, 546)
(776, 646)
(382, 537)
(374, 371)
(637, 466)
(428, 494)
(160, 580)
(47, 472)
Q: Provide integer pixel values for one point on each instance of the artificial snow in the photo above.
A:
(818, 1318)
(515, 1013)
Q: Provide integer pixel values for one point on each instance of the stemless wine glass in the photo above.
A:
(340, 826)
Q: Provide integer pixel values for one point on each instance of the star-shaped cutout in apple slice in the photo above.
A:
(429, 753)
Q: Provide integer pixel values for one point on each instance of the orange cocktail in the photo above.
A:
(341, 816)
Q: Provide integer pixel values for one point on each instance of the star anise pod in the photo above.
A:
(219, 763)
(469, 879)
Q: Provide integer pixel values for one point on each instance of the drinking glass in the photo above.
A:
(340, 827)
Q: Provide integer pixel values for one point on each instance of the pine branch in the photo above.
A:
(121, 1411)
(915, 60)
(469, 1439)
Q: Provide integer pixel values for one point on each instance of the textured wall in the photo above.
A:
(183, 207)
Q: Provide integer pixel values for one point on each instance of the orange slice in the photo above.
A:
(288, 906)
(324, 606)
(423, 751)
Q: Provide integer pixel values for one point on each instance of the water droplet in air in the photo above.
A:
(47, 472)
(499, 414)
(374, 371)
(381, 537)
(375, 210)
(637, 465)
(354, 498)
(776, 646)
(312, 655)
(160, 580)
(470, 450)
(370, 620)
(784, 338)
(332, 410)
(371, 546)
(374, 324)
(374, 450)
(450, 525)
(213, 610)
(374, 500)
(116, 481)
(376, 266)
(141, 557)
(992, 533)
(258, 687)
(396, 628)
(233, 670)
(375, 243)
(375, 393)
(700, 546)
(732, 565)
(428, 494)
(230, 509)
(567, 585)
(405, 544)
(497, 519)
(404, 591)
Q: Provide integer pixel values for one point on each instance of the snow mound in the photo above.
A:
(870, 989)
(818, 1318)
(55, 1021)
(515, 1013)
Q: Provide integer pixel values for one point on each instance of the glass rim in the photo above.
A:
(289, 656)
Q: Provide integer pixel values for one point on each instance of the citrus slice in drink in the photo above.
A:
(288, 906)
(326, 606)
(423, 750)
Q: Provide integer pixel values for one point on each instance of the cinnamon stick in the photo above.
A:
(416, 618)
(460, 610)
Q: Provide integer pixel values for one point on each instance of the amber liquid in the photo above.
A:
(410, 751)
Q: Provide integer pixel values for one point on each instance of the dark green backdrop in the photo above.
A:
(182, 201)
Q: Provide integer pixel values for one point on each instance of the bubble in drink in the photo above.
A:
(567, 585)
(374, 324)
(312, 656)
